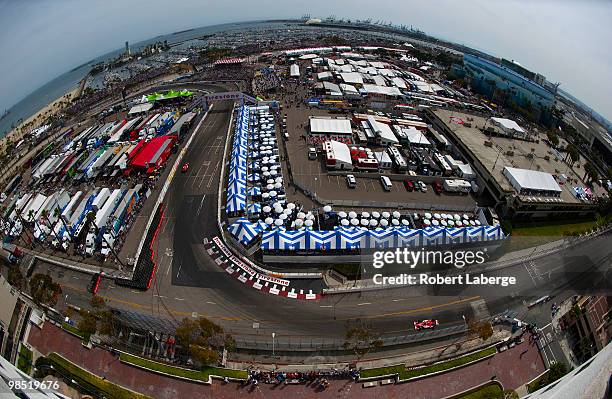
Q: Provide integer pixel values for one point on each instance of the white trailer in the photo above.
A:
(101, 220)
(457, 186)
(29, 211)
(100, 199)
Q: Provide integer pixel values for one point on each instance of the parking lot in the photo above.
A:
(330, 187)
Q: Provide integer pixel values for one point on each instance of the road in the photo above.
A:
(188, 283)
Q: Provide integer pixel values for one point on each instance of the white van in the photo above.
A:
(351, 182)
(386, 183)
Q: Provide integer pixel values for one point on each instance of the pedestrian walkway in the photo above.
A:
(513, 368)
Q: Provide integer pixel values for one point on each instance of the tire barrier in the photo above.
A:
(145, 267)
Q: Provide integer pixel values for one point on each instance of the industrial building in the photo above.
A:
(527, 90)
(523, 178)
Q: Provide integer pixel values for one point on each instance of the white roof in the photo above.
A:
(332, 87)
(382, 130)
(352, 77)
(348, 88)
(339, 151)
(399, 82)
(382, 157)
(294, 70)
(330, 125)
(415, 136)
(307, 57)
(379, 80)
(531, 179)
(136, 109)
(508, 124)
(388, 91)
(324, 75)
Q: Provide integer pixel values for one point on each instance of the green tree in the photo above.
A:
(510, 394)
(88, 324)
(483, 329)
(553, 138)
(361, 338)
(203, 339)
(44, 290)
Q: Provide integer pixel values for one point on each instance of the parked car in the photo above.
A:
(409, 184)
(185, 168)
(422, 186)
(351, 182)
(437, 187)
(425, 324)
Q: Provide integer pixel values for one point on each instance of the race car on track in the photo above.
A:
(185, 168)
(425, 324)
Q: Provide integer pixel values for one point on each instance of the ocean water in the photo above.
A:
(57, 87)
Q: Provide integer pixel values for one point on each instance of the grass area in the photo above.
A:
(24, 363)
(537, 383)
(554, 229)
(405, 374)
(488, 392)
(87, 380)
(201, 375)
(73, 330)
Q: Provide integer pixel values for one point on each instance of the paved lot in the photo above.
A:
(313, 175)
(512, 368)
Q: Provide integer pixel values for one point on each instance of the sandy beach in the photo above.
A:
(39, 117)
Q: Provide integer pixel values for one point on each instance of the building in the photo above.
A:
(330, 127)
(337, 155)
(591, 380)
(522, 177)
(382, 131)
(587, 324)
(499, 81)
(508, 126)
(532, 182)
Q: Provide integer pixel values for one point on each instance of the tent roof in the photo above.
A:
(531, 179)
(330, 125)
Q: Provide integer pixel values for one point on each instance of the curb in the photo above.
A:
(207, 382)
(398, 381)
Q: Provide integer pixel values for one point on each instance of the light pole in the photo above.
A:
(273, 342)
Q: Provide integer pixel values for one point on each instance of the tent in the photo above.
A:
(243, 230)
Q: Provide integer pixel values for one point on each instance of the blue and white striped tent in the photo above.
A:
(474, 234)
(292, 239)
(261, 226)
(283, 240)
(253, 177)
(408, 237)
(235, 204)
(243, 230)
(254, 208)
(455, 235)
(433, 236)
(351, 238)
(268, 240)
(236, 187)
(322, 239)
(493, 233)
(381, 238)
(255, 191)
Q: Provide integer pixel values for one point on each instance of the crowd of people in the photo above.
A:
(266, 82)
(319, 379)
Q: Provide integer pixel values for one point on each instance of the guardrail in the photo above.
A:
(303, 344)
(166, 185)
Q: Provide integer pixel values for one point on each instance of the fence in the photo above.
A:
(263, 343)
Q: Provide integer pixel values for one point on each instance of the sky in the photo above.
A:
(566, 41)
